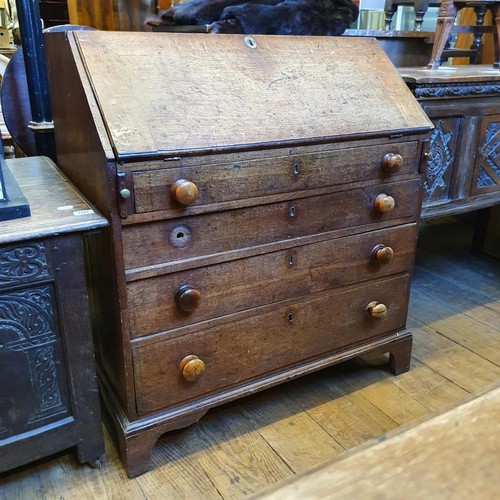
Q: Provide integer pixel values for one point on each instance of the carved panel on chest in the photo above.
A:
(487, 174)
(441, 159)
(31, 356)
(48, 389)
(23, 263)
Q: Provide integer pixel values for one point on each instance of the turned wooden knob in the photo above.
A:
(191, 368)
(187, 298)
(375, 310)
(382, 254)
(392, 162)
(184, 192)
(384, 203)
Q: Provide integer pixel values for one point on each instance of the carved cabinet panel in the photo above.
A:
(441, 159)
(31, 361)
(487, 168)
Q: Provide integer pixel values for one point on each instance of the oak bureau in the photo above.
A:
(263, 194)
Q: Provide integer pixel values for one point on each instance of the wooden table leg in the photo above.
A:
(445, 21)
(496, 36)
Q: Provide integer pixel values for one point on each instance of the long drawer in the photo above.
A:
(214, 233)
(229, 287)
(246, 179)
(266, 342)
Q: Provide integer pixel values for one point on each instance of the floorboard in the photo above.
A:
(242, 447)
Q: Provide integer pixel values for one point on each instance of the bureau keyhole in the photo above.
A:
(180, 236)
(290, 317)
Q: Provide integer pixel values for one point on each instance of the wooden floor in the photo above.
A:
(243, 447)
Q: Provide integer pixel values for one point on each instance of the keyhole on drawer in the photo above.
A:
(290, 317)
(291, 212)
(290, 260)
(180, 236)
(296, 170)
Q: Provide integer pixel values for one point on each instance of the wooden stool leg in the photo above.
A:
(390, 10)
(496, 36)
(421, 7)
(445, 21)
(480, 11)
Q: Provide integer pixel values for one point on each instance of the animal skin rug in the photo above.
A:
(265, 17)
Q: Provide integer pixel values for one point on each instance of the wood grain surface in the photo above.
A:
(181, 93)
(189, 237)
(219, 183)
(452, 455)
(55, 206)
(234, 286)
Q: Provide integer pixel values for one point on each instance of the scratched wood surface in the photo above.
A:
(451, 455)
(55, 205)
(248, 445)
(177, 92)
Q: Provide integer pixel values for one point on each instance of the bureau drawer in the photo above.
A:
(209, 234)
(247, 349)
(174, 300)
(218, 183)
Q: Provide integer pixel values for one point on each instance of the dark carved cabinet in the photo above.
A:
(48, 394)
(462, 165)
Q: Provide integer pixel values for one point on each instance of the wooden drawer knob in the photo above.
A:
(375, 310)
(184, 192)
(392, 162)
(382, 254)
(384, 203)
(191, 368)
(187, 298)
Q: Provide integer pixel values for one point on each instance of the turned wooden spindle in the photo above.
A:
(384, 203)
(184, 192)
(375, 310)
(187, 298)
(392, 162)
(382, 254)
(191, 368)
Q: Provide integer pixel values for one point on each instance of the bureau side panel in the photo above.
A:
(81, 142)
(83, 150)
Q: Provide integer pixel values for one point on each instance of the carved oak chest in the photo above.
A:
(48, 391)
(263, 194)
(463, 164)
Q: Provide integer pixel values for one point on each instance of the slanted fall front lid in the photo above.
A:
(175, 93)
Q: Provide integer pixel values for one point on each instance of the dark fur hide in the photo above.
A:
(267, 17)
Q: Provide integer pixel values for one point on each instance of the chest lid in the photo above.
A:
(169, 94)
